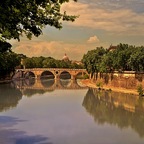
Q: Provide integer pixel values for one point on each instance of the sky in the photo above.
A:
(100, 23)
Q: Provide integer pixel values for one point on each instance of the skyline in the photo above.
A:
(100, 23)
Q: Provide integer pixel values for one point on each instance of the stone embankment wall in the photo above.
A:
(128, 80)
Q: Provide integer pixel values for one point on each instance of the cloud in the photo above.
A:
(120, 21)
(93, 39)
(55, 49)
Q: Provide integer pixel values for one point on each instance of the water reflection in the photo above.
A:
(49, 84)
(11, 94)
(60, 118)
(122, 110)
(9, 97)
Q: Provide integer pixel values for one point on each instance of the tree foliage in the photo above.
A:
(4, 46)
(28, 17)
(93, 59)
(121, 56)
(8, 62)
(124, 58)
(136, 60)
(49, 62)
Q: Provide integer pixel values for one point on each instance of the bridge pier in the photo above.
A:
(19, 74)
(37, 77)
(73, 77)
(57, 76)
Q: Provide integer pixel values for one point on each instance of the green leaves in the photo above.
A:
(4, 46)
(123, 58)
(30, 16)
(93, 59)
(136, 60)
(49, 62)
(8, 62)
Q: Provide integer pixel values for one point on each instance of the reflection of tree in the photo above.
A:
(9, 97)
(105, 108)
(31, 92)
(11, 136)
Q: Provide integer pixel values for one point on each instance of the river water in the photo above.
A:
(67, 112)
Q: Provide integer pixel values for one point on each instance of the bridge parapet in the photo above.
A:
(50, 69)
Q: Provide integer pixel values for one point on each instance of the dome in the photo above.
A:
(65, 58)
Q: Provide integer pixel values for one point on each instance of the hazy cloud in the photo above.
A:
(55, 49)
(93, 39)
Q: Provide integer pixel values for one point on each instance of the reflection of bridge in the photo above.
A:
(50, 85)
(56, 72)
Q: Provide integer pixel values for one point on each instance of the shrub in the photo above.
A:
(140, 90)
(99, 85)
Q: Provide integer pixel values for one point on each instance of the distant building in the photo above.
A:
(111, 48)
(65, 58)
(77, 62)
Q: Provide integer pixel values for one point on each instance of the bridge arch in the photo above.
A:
(65, 75)
(29, 74)
(47, 74)
(81, 75)
(28, 82)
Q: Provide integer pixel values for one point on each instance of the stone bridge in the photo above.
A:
(56, 72)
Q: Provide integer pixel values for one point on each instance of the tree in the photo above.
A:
(49, 63)
(28, 17)
(63, 64)
(124, 58)
(38, 61)
(4, 46)
(8, 62)
(136, 60)
(29, 63)
(92, 60)
(76, 66)
(121, 56)
(106, 64)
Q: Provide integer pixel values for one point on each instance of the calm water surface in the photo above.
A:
(66, 112)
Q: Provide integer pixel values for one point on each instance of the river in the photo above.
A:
(67, 112)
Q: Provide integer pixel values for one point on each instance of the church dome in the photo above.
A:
(65, 58)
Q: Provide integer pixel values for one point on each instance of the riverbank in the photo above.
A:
(91, 84)
(5, 81)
